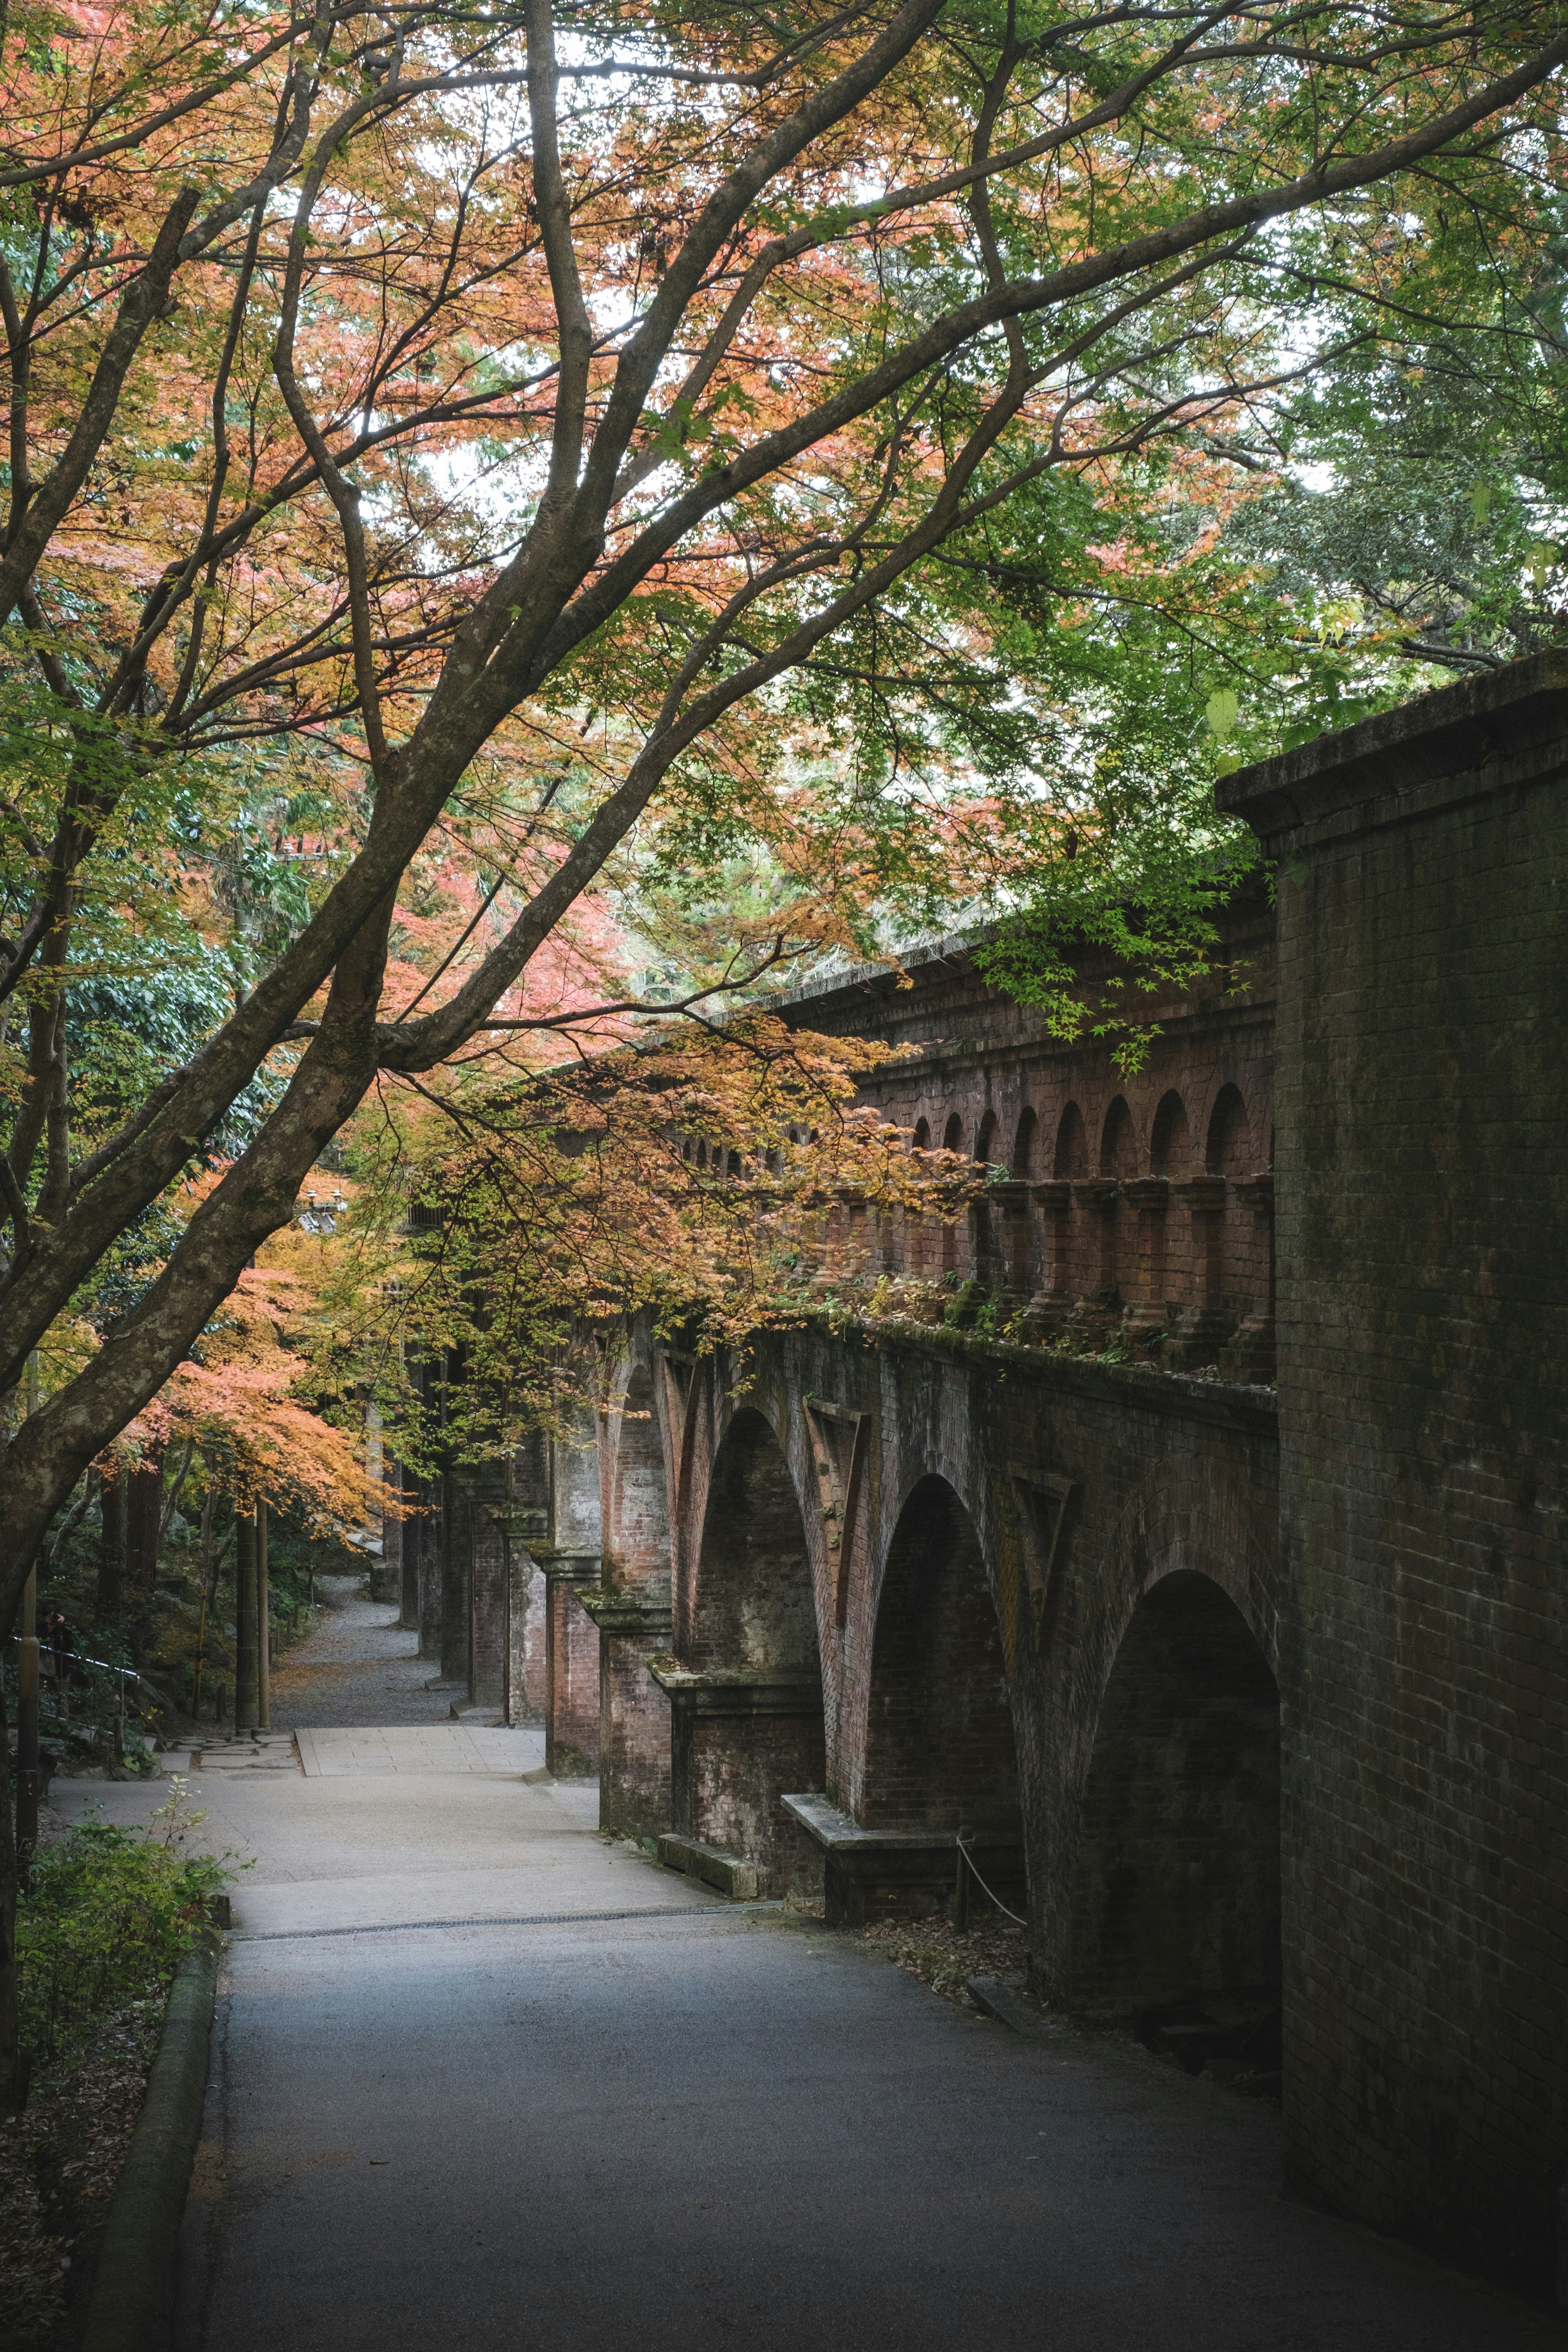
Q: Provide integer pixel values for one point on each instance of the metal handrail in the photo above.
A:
(82, 1659)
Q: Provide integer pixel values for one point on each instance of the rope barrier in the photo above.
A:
(1001, 1906)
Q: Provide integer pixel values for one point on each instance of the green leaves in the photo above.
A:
(108, 1914)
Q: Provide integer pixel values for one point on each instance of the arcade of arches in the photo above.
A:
(1221, 1617)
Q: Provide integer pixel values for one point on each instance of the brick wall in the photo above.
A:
(634, 1737)
(1423, 1278)
(1135, 1201)
(570, 1698)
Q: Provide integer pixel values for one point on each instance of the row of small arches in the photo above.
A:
(1227, 1149)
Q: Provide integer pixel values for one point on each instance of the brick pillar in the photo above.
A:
(571, 1665)
(1251, 1356)
(1096, 1197)
(1053, 1199)
(425, 1533)
(634, 1712)
(1423, 1158)
(1014, 1231)
(1149, 1197)
(738, 1740)
(1205, 1325)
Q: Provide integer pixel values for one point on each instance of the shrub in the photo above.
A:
(108, 1914)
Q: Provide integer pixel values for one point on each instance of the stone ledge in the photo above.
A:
(840, 1834)
(729, 1873)
(570, 1566)
(1169, 1394)
(1479, 736)
(740, 1690)
(904, 1870)
(622, 1612)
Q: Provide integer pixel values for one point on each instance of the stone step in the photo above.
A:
(730, 1873)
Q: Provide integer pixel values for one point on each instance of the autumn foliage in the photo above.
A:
(512, 511)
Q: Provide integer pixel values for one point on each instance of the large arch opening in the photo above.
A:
(754, 1603)
(747, 1693)
(1118, 1145)
(940, 1753)
(1168, 1146)
(1176, 1900)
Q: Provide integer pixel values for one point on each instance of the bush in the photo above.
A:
(106, 1916)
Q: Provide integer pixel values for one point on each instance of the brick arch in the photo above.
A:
(1071, 1157)
(986, 1139)
(1118, 1145)
(1170, 1137)
(953, 1133)
(1175, 1878)
(939, 1742)
(1177, 1520)
(753, 1598)
(1026, 1144)
(1228, 1145)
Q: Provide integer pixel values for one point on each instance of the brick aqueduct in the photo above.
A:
(1240, 1660)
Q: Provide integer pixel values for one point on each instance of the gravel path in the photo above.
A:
(356, 1669)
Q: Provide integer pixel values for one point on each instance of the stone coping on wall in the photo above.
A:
(955, 1056)
(1480, 736)
(740, 1690)
(1232, 1405)
(841, 1835)
(572, 1566)
(953, 950)
(622, 1612)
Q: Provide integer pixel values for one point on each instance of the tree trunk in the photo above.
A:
(143, 1518)
(245, 1623)
(263, 1625)
(13, 2068)
(115, 1497)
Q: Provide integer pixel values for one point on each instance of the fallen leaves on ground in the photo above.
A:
(944, 1957)
(59, 2161)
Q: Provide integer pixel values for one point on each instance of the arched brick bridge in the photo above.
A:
(1238, 1655)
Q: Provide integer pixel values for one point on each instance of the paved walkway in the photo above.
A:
(483, 2080)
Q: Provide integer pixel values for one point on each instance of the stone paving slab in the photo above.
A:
(336, 1753)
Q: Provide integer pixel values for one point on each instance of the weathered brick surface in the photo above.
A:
(635, 1715)
(1102, 1204)
(634, 1737)
(569, 1702)
(1165, 1474)
(1423, 1175)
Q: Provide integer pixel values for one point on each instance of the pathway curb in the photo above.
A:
(132, 2304)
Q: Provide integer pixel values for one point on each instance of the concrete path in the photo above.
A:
(435, 1747)
(624, 2116)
